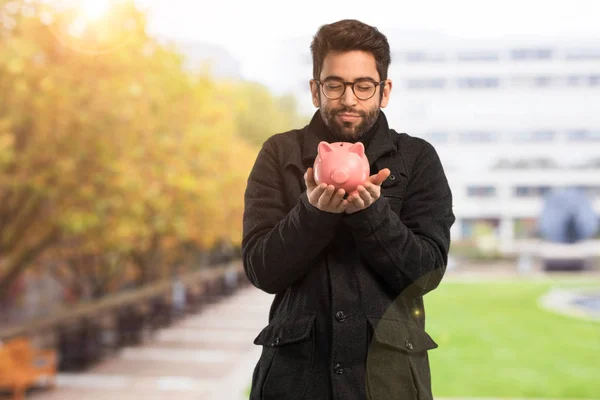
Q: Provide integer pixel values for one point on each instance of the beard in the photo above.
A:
(347, 131)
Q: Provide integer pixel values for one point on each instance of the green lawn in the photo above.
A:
(494, 341)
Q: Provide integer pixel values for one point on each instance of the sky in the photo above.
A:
(236, 22)
(251, 30)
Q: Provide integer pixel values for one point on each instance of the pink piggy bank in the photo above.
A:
(341, 164)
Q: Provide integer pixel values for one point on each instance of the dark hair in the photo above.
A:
(349, 35)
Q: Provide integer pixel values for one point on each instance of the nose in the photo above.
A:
(349, 98)
(339, 176)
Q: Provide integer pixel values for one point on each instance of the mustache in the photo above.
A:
(348, 110)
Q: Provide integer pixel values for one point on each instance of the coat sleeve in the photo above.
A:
(409, 253)
(279, 247)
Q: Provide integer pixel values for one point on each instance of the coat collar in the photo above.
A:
(381, 143)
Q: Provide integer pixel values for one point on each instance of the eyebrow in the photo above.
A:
(362, 78)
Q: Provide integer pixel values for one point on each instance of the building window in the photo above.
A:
(591, 191)
(478, 137)
(583, 80)
(583, 54)
(526, 163)
(437, 137)
(532, 191)
(543, 81)
(593, 163)
(532, 54)
(540, 81)
(468, 56)
(523, 81)
(575, 80)
(422, 56)
(583, 135)
(478, 82)
(535, 136)
(437, 83)
(481, 191)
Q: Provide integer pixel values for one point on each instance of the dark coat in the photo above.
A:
(347, 321)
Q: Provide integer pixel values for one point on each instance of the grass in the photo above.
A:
(494, 341)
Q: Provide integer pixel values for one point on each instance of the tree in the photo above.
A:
(111, 153)
(259, 114)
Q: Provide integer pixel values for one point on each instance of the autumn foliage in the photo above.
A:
(114, 158)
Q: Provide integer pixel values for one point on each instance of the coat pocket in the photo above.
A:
(397, 362)
(394, 192)
(288, 346)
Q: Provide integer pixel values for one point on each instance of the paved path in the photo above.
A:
(208, 356)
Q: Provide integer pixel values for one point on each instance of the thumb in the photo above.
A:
(381, 176)
(309, 179)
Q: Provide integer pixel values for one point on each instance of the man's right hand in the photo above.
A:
(323, 196)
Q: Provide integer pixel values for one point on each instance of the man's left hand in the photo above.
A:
(368, 193)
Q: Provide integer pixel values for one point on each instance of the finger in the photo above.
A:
(338, 197)
(315, 194)
(358, 202)
(352, 196)
(309, 186)
(365, 196)
(325, 198)
(309, 179)
(380, 177)
(373, 190)
(342, 206)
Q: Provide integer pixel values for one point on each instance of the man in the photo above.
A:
(348, 272)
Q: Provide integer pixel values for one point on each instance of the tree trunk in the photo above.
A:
(25, 259)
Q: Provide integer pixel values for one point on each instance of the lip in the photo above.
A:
(348, 117)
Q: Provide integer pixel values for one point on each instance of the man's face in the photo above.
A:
(349, 117)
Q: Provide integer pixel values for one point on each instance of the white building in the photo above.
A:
(511, 119)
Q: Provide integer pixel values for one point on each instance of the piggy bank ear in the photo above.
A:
(357, 148)
(324, 148)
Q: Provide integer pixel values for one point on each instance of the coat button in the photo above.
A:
(275, 342)
(408, 345)
(338, 369)
(340, 316)
(392, 177)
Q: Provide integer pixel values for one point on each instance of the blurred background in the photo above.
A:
(127, 132)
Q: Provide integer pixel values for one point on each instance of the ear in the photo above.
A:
(387, 89)
(324, 148)
(314, 90)
(357, 148)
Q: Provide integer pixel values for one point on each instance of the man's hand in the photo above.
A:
(323, 196)
(367, 193)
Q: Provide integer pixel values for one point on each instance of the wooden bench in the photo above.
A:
(22, 366)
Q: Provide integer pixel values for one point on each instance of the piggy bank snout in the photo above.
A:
(340, 175)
